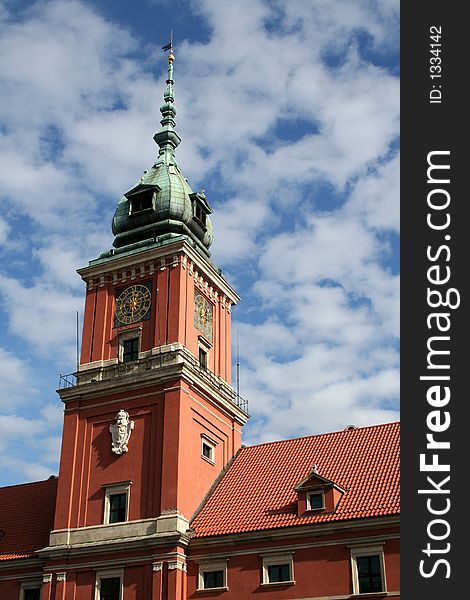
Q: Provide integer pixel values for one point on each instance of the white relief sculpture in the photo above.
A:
(121, 432)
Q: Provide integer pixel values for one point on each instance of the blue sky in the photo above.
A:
(289, 118)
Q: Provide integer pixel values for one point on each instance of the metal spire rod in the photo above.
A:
(169, 46)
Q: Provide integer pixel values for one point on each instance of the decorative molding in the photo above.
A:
(47, 578)
(61, 576)
(158, 566)
(174, 564)
(121, 432)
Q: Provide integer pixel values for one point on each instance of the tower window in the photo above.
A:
(116, 502)
(200, 214)
(141, 202)
(203, 358)
(208, 448)
(130, 350)
(117, 508)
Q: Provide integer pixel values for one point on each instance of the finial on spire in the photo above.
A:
(166, 137)
(169, 46)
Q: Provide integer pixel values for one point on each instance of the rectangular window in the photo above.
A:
(315, 501)
(213, 579)
(131, 349)
(141, 202)
(32, 594)
(368, 570)
(369, 574)
(278, 569)
(203, 358)
(212, 575)
(207, 450)
(110, 588)
(116, 502)
(117, 508)
(278, 573)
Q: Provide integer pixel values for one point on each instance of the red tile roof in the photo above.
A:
(26, 518)
(257, 492)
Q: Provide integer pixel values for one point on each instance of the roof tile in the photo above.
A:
(257, 492)
(26, 518)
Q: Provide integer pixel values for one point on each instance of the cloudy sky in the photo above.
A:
(289, 115)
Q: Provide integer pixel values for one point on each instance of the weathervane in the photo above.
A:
(169, 47)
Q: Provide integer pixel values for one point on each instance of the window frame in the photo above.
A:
(136, 202)
(272, 560)
(210, 567)
(362, 552)
(125, 336)
(109, 574)
(309, 493)
(113, 490)
(30, 585)
(210, 443)
(203, 357)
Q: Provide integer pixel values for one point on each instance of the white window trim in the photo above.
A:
(205, 346)
(112, 489)
(315, 492)
(128, 334)
(107, 575)
(277, 559)
(204, 567)
(360, 551)
(205, 439)
(31, 585)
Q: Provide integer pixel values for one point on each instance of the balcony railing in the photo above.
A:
(67, 381)
(71, 380)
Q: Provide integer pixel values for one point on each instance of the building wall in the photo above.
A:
(320, 570)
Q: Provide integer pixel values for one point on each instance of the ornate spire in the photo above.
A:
(162, 206)
(166, 137)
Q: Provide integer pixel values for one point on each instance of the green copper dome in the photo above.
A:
(162, 205)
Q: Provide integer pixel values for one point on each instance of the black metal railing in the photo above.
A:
(67, 381)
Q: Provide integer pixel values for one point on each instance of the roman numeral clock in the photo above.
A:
(203, 315)
(133, 305)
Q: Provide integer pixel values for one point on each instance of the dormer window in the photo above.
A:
(141, 202)
(200, 214)
(317, 494)
(201, 209)
(315, 500)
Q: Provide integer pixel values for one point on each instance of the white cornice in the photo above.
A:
(314, 529)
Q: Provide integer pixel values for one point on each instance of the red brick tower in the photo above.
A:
(152, 419)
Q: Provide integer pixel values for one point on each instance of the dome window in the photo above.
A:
(141, 202)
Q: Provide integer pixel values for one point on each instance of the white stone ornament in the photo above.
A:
(121, 432)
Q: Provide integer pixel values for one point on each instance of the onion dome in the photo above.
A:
(161, 205)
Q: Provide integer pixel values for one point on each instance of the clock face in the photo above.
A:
(203, 315)
(133, 304)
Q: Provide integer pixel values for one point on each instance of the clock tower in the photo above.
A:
(152, 418)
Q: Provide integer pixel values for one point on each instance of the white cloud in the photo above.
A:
(43, 316)
(281, 98)
(15, 378)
